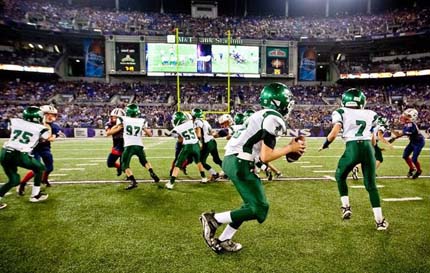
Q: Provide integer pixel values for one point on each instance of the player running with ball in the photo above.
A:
(238, 164)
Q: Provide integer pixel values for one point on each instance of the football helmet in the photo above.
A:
(353, 98)
(277, 96)
(132, 110)
(225, 118)
(197, 113)
(33, 114)
(49, 109)
(239, 118)
(411, 113)
(178, 118)
(117, 112)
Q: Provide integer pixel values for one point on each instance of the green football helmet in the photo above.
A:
(239, 118)
(178, 118)
(353, 98)
(197, 113)
(277, 96)
(132, 110)
(33, 114)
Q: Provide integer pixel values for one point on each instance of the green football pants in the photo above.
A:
(250, 188)
(11, 160)
(360, 151)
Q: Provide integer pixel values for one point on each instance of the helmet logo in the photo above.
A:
(276, 103)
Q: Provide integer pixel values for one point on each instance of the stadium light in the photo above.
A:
(39, 46)
(338, 57)
(57, 49)
(78, 61)
(31, 45)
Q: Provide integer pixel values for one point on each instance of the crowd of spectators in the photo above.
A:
(367, 66)
(65, 18)
(91, 103)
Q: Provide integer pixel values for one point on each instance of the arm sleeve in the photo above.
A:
(45, 133)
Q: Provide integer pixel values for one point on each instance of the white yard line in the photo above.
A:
(362, 187)
(330, 177)
(72, 169)
(325, 171)
(312, 166)
(87, 164)
(402, 199)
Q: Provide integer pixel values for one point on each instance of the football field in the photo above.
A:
(91, 224)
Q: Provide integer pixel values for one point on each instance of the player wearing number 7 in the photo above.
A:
(25, 135)
(357, 124)
(133, 145)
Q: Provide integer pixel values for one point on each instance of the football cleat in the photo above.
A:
(39, 198)
(417, 174)
(118, 171)
(210, 225)
(184, 170)
(277, 175)
(20, 190)
(3, 205)
(169, 186)
(131, 186)
(355, 173)
(269, 175)
(346, 213)
(204, 180)
(225, 246)
(410, 173)
(214, 177)
(155, 177)
(383, 225)
(46, 183)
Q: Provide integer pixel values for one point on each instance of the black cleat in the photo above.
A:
(214, 177)
(118, 171)
(346, 213)
(417, 174)
(210, 225)
(131, 186)
(46, 183)
(21, 189)
(410, 173)
(155, 177)
(225, 246)
(269, 175)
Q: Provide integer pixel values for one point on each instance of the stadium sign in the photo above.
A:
(203, 40)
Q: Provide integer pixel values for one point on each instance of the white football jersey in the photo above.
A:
(133, 128)
(186, 131)
(243, 141)
(25, 135)
(206, 129)
(357, 124)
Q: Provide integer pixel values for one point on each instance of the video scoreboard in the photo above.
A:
(127, 57)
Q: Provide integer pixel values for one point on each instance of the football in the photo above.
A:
(293, 156)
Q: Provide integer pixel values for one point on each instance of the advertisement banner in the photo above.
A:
(277, 60)
(94, 58)
(307, 63)
(127, 57)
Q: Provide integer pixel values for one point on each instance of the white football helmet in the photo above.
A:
(411, 113)
(48, 109)
(225, 118)
(117, 112)
(188, 115)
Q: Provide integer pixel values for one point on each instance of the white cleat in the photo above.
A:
(169, 186)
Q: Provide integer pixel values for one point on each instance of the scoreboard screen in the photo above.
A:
(277, 60)
(243, 59)
(127, 57)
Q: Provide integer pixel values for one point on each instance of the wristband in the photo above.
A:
(326, 143)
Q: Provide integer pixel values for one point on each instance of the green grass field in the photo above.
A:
(103, 228)
(249, 54)
(162, 58)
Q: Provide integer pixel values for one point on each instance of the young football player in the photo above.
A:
(209, 145)
(132, 127)
(117, 138)
(263, 128)
(416, 141)
(25, 134)
(357, 124)
(43, 148)
(184, 128)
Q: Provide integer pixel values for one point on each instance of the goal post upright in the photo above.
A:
(178, 88)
